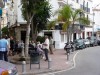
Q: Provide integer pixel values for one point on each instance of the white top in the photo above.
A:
(47, 44)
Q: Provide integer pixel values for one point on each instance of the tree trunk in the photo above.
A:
(29, 20)
(27, 39)
(73, 29)
(68, 35)
(34, 37)
(32, 31)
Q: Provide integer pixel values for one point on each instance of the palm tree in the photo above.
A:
(69, 17)
(64, 15)
(81, 19)
(51, 25)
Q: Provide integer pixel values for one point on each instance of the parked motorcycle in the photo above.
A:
(67, 47)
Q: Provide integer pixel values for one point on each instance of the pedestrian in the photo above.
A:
(20, 43)
(51, 47)
(4, 48)
(39, 49)
(46, 47)
(11, 45)
(16, 47)
(33, 43)
(31, 46)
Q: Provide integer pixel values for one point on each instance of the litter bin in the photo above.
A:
(35, 58)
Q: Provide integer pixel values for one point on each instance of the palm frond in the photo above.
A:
(51, 25)
(84, 21)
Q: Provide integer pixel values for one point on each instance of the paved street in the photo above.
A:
(59, 62)
(87, 62)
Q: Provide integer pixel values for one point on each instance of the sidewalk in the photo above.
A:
(58, 62)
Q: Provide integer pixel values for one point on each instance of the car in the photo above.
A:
(7, 68)
(93, 41)
(79, 44)
(86, 42)
(98, 42)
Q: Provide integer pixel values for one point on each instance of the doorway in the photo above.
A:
(49, 34)
(74, 38)
(23, 36)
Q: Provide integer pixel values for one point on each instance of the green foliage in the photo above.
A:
(51, 25)
(84, 21)
(65, 13)
(5, 31)
(40, 19)
(41, 11)
(40, 39)
(37, 12)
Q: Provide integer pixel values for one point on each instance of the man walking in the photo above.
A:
(46, 47)
(4, 47)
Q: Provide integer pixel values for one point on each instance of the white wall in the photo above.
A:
(19, 13)
(97, 14)
(14, 13)
(88, 29)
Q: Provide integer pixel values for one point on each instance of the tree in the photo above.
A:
(78, 15)
(35, 12)
(40, 19)
(51, 25)
(64, 15)
(5, 31)
(68, 16)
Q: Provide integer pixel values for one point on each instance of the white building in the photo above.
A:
(60, 37)
(16, 23)
(15, 19)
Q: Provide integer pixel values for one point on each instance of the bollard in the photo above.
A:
(49, 63)
(23, 66)
(23, 54)
(23, 51)
(67, 56)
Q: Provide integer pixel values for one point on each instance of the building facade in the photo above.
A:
(18, 25)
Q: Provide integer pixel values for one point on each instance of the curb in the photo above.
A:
(71, 67)
(71, 63)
